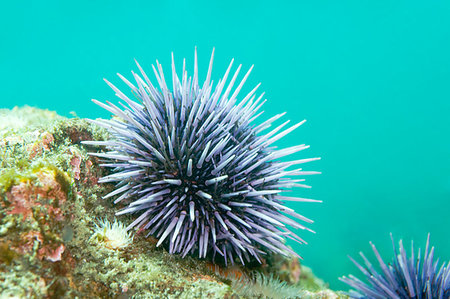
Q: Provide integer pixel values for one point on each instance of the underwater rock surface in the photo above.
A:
(60, 239)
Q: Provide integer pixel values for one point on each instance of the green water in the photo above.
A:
(371, 77)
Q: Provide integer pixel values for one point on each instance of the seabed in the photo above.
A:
(60, 239)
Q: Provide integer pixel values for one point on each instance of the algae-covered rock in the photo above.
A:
(60, 239)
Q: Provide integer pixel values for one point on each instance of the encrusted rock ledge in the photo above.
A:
(60, 239)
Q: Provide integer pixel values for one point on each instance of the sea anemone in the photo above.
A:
(112, 235)
(196, 171)
(266, 286)
(403, 277)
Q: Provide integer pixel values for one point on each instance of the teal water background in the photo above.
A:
(371, 77)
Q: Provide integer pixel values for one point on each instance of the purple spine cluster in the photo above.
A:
(404, 277)
(197, 172)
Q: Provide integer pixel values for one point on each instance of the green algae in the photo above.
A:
(21, 284)
(21, 174)
(24, 118)
(309, 281)
(147, 275)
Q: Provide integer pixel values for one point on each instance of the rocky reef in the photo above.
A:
(60, 239)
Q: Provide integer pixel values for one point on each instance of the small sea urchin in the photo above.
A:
(403, 277)
(194, 168)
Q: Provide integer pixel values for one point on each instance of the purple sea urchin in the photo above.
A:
(195, 169)
(403, 277)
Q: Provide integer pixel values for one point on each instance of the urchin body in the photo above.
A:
(196, 171)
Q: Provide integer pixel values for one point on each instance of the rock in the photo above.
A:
(50, 203)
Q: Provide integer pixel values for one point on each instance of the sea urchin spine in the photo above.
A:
(195, 170)
(404, 277)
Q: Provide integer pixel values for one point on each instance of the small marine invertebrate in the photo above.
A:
(403, 277)
(265, 286)
(197, 171)
(112, 235)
